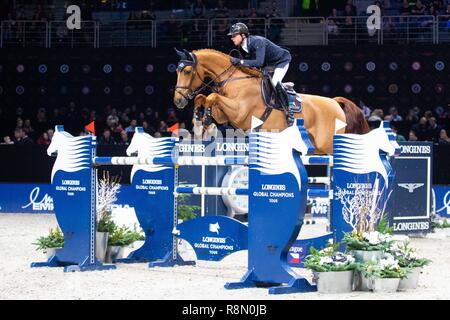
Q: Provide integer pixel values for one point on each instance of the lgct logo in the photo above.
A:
(46, 202)
(214, 227)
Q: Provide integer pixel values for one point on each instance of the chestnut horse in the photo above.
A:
(238, 98)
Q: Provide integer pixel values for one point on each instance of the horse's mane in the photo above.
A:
(248, 70)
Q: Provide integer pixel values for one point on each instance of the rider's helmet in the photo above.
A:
(238, 28)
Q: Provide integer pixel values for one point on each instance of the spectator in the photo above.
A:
(157, 135)
(43, 139)
(7, 140)
(28, 129)
(198, 10)
(19, 122)
(41, 120)
(421, 130)
(332, 25)
(418, 9)
(394, 113)
(398, 137)
(412, 136)
(132, 127)
(172, 118)
(406, 8)
(21, 137)
(443, 137)
(221, 11)
(377, 115)
(50, 133)
(124, 139)
(433, 129)
(352, 8)
(107, 138)
(412, 116)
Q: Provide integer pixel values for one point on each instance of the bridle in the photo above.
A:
(212, 84)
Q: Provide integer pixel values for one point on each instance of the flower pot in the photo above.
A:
(50, 252)
(115, 252)
(101, 245)
(384, 285)
(411, 281)
(334, 281)
(361, 283)
(362, 256)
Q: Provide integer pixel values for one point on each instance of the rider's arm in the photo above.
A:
(260, 54)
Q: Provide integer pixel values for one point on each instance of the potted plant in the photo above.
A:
(368, 246)
(333, 270)
(383, 275)
(107, 190)
(118, 240)
(50, 243)
(407, 258)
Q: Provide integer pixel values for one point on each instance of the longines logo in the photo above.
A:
(410, 186)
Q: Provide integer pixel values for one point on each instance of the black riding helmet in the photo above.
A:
(238, 28)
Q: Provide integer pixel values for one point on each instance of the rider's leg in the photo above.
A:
(279, 74)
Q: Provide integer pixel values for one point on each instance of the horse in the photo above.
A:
(238, 98)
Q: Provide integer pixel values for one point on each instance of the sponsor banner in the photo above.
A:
(442, 200)
(411, 212)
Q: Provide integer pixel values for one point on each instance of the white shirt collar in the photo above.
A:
(244, 45)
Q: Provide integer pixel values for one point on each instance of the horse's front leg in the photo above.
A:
(220, 108)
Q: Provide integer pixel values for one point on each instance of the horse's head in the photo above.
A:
(298, 137)
(56, 142)
(188, 79)
(136, 143)
(386, 140)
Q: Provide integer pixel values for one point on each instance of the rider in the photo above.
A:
(262, 52)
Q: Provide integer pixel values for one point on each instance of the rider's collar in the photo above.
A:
(244, 44)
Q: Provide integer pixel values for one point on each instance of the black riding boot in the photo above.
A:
(284, 101)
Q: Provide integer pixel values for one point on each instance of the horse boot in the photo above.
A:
(208, 117)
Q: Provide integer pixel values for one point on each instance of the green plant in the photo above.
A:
(368, 241)
(384, 268)
(329, 259)
(123, 236)
(55, 239)
(185, 211)
(106, 223)
(444, 224)
(407, 257)
(383, 226)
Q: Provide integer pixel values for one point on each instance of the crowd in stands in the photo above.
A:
(115, 126)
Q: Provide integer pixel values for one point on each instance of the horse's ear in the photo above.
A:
(188, 55)
(181, 54)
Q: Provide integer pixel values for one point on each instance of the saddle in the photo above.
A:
(281, 97)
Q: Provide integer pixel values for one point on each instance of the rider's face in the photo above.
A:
(237, 39)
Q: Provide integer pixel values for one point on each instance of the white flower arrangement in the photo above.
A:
(329, 259)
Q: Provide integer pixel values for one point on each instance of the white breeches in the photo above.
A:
(279, 74)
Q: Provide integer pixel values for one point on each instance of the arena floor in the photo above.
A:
(204, 281)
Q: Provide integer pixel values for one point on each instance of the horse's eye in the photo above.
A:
(187, 71)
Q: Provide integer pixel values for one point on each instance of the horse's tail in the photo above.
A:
(356, 122)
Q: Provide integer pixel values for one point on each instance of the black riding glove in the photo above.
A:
(235, 61)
